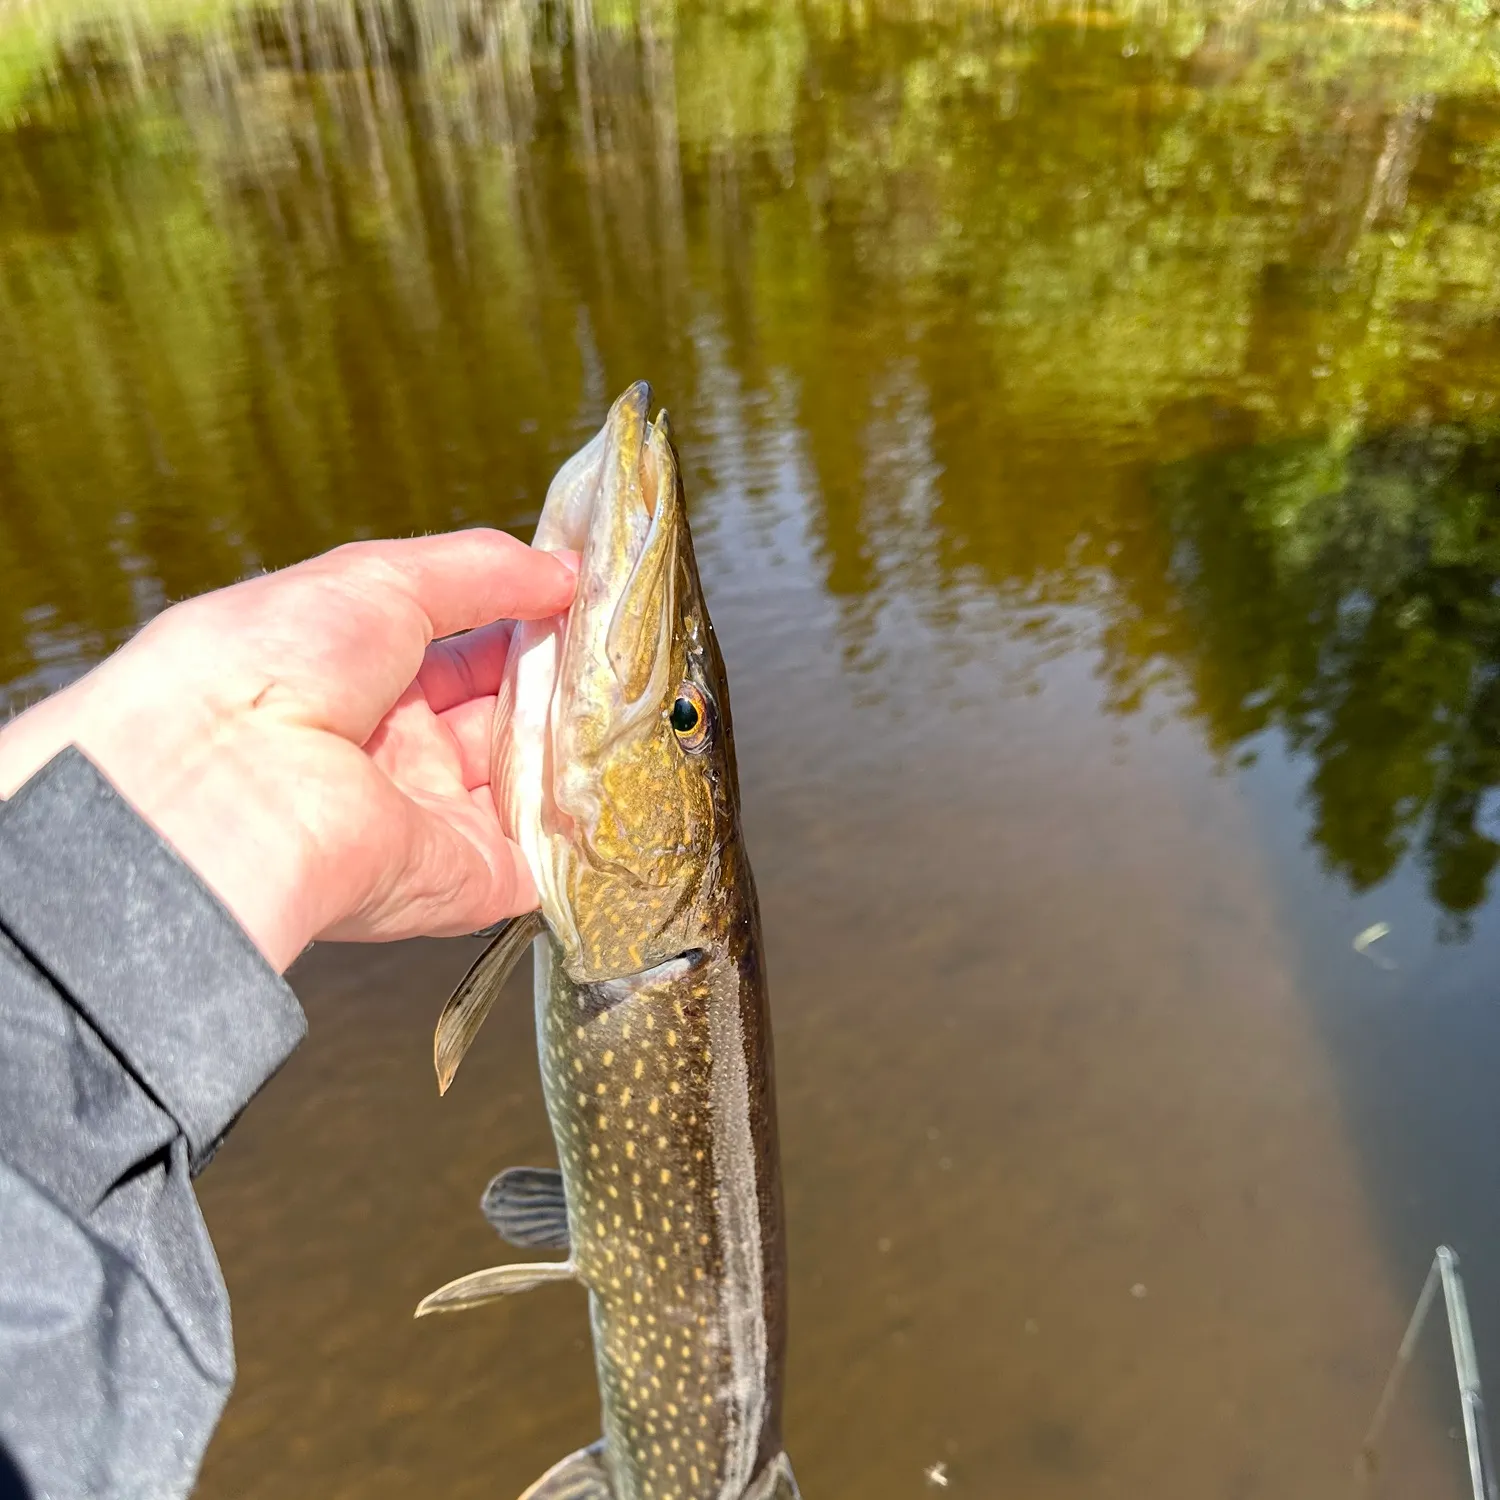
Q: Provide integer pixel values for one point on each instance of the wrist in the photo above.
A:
(230, 816)
(209, 792)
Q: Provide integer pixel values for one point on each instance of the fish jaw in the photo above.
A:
(617, 658)
(521, 772)
(595, 789)
(521, 753)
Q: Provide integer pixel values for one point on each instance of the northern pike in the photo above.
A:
(614, 765)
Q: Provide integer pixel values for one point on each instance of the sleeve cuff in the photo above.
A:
(143, 948)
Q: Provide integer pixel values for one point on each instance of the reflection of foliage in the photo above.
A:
(375, 266)
(1351, 594)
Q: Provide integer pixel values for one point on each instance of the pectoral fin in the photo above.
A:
(470, 1003)
(490, 1285)
(775, 1482)
(526, 1206)
(580, 1476)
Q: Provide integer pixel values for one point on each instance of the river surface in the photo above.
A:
(1091, 432)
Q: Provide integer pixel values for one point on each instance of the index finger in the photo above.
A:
(465, 667)
(462, 579)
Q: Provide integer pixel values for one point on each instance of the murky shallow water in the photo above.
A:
(1092, 437)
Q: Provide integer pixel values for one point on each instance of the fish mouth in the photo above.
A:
(587, 684)
(606, 504)
(573, 497)
(616, 660)
(626, 570)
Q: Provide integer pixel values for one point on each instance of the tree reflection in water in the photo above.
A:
(1182, 317)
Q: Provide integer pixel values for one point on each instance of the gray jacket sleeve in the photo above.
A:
(137, 1019)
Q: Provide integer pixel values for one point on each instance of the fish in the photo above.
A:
(614, 765)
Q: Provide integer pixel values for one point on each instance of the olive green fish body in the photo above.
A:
(658, 1096)
(615, 767)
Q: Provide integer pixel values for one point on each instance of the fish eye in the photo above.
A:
(689, 717)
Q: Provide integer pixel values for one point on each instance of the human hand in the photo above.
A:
(308, 746)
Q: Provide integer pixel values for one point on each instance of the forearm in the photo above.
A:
(136, 1020)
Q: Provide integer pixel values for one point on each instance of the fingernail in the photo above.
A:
(572, 561)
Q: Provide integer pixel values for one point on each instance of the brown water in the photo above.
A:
(1091, 434)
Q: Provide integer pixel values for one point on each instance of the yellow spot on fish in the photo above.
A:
(671, 1037)
(598, 1088)
(654, 1106)
(666, 1224)
(609, 1057)
(640, 1067)
(594, 1148)
(629, 1148)
(661, 1262)
(625, 1096)
(666, 1175)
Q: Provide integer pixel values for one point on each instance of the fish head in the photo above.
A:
(615, 759)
